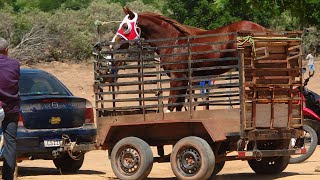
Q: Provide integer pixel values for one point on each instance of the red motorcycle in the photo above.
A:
(311, 113)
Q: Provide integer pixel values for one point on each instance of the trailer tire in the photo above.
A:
(269, 165)
(313, 145)
(131, 158)
(218, 167)
(192, 158)
(67, 165)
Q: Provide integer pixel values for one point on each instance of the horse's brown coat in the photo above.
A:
(155, 26)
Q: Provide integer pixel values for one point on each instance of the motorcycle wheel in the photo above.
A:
(309, 141)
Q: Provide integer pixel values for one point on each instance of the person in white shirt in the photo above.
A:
(310, 58)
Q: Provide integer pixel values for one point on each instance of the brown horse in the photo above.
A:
(154, 26)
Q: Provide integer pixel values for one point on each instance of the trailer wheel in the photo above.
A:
(192, 158)
(218, 167)
(131, 158)
(269, 165)
(310, 141)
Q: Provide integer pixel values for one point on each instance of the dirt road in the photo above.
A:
(79, 79)
(97, 166)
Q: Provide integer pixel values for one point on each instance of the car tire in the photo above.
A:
(67, 165)
(15, 174)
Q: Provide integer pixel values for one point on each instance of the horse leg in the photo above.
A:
(174, 92)
(195, 100)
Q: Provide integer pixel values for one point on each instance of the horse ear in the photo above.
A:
(126, 10)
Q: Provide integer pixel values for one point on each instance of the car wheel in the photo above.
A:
(67, 165)
(15, 174)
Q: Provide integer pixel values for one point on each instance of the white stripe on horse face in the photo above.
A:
(113, 40)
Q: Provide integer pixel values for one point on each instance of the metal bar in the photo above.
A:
(213, 51)
(272, 109)
(162, 80)
(154, 91)
(142, 85)
(159, 72)
(159, 90)
(212, 102)
(268, 153)
(213, 43)
(107, 43)
(163, 63)
(190, 82)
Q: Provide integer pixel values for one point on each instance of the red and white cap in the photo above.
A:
(131, 33)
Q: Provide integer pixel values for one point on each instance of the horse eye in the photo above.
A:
(125, 27)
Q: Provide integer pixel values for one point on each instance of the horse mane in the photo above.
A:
(187, 30)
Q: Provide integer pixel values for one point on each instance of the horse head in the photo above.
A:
(147, 26)
(128, 30)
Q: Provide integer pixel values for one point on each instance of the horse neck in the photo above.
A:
(156, 29)
(163, 33)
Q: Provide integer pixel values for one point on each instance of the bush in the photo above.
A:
(37, 32)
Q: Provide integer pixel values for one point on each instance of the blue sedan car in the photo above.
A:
(50, 115)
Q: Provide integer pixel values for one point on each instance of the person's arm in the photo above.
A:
(2, 104)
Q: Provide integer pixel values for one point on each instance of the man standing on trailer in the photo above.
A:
(10, 102)
(310, 58)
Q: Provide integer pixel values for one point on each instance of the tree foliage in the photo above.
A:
(287, 14)
(64, 29)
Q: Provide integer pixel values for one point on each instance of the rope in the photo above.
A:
(249, 39)
(100, 23)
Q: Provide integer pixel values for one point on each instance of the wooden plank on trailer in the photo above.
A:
(276, 50)
(267, 61)
(276, 56)
(281, 115)
(274, 44)
(263, 115)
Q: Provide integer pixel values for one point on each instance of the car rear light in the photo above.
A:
(89, 117)
(20, 122)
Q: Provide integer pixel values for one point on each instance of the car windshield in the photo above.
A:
(40, 84)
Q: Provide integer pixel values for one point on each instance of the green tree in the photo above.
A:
(287, 14)
(76, 4)
(211, 14)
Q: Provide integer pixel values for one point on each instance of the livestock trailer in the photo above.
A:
(251, 112)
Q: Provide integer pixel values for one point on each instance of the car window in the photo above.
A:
(40, 84)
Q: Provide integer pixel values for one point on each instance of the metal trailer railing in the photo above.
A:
(262, 80)
(144, 84)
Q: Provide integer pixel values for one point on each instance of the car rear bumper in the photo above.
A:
(31, 142)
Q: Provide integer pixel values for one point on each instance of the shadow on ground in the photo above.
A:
(245, 176)
(38, 171)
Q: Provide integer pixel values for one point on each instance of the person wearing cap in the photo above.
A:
(10, 102)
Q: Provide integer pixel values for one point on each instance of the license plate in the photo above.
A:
(52, 143)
